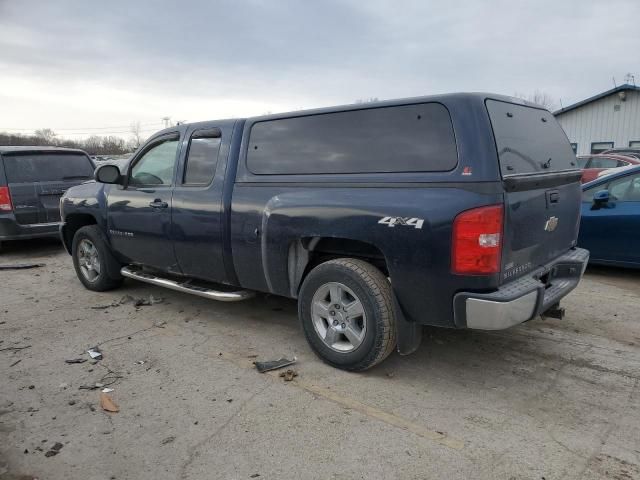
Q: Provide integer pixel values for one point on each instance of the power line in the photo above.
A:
(82, 128)
(110, 132)
(67, 134)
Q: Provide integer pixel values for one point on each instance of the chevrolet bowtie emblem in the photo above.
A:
(551, 224)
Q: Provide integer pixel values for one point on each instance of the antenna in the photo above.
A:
(629, 78)
(614, 82)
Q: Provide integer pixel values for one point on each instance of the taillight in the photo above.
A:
(5, 200)
(477, 241)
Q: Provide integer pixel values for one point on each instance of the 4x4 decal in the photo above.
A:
(406, 221)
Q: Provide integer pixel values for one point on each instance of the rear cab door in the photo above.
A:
(542, 186)
(197, 218)
(37, 180)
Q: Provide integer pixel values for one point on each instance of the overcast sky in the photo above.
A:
(88, 64)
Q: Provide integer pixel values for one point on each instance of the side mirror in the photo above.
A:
(108, 174)
(600, 199)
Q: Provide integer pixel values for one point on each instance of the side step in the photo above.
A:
(186, 287)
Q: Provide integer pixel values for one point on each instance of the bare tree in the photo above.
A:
(113, 145)
(136, 135)
(46, 134)
(539, 97)
(93, 145)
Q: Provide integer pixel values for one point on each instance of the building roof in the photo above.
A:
(621, 88)
(26, 148)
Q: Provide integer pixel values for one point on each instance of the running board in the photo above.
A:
(186, 287)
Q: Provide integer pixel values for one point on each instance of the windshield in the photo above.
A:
(529, 140)
(47, 167)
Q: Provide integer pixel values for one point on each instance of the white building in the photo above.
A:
(608, 120)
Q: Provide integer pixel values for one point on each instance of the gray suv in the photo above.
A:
(32, 180)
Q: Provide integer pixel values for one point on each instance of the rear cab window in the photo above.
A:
(529, 140)
(406, 138)
(47, 167)
(202, 157)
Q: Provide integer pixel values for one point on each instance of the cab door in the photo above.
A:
(197, 216)
(139, 213)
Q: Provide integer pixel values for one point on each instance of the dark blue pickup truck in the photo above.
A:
(457, 211)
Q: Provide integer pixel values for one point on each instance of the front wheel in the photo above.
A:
(94, 263)
(346, 310)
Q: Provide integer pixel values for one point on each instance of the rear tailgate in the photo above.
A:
(37, 180)
(542, 187)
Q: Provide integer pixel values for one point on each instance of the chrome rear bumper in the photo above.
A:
(522, 299)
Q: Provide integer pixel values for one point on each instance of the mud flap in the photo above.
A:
(408, 334)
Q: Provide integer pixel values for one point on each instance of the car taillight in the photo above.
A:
(5, 200)
(477, 241)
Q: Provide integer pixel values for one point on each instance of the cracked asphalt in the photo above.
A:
(552, 399)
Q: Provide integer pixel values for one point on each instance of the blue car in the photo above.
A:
(610, 225)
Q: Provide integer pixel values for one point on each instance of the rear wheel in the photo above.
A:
(346, 310)
(94, 263)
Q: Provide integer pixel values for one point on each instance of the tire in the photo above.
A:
(93, 261)
(341, 336)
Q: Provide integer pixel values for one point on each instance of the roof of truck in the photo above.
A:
(34, 148)
(475, 96)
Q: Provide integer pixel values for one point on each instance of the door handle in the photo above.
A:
(157, 203)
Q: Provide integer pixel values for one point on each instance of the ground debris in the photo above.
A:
(168, 440)
(289, 374)
(95, 353)
(274, 364)
(107, 379)
(21, 266)
(54, 450)
(144, 302)
(15, 363)
(107, 403)
(75, 360)
(14, 348)
(104, 307)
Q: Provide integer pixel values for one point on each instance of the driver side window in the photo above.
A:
(157, 166)
(626, 189)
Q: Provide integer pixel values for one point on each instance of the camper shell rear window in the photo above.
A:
(529, 140)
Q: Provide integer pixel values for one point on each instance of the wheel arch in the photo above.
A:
(305, 253)
(73, 223)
